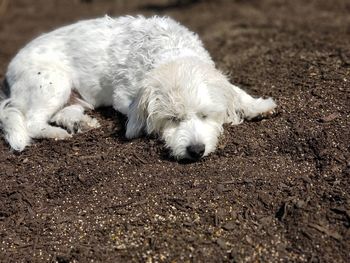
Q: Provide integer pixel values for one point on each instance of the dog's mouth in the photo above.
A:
(185, 159)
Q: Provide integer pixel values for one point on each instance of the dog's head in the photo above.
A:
(186, 103)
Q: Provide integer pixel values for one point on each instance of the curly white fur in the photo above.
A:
(153, 70)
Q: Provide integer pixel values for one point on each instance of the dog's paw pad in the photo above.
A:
(268, 114)
(61, 135)
(87, 123)
(264, 115)
(93, 123)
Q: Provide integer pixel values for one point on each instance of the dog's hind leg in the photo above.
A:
(74, 120)
(38, 126)
(252, 108)
(39, 93)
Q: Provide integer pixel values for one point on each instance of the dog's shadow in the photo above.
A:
(176, 4)
(116, 122)
(165, 155)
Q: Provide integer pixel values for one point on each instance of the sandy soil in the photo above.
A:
(276, 190)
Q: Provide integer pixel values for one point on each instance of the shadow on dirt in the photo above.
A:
(177, 4)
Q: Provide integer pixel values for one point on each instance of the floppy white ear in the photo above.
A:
(229, 98)
(235, 114)
(137, 115)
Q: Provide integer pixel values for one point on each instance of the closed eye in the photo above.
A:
(202, 116)
(174, 119)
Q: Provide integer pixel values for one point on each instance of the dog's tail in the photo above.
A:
(12, 122)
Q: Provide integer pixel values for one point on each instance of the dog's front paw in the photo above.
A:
(85, 124)
(268, 114)
(60, 134)
(264, 115)
(259, 109)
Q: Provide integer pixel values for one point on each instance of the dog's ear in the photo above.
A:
(234, 113)
(227, 93)
(137, 115)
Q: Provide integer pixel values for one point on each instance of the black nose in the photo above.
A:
(195, 151)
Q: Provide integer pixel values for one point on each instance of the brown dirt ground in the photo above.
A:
(276, 190)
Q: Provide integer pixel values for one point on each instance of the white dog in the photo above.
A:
(153, 70)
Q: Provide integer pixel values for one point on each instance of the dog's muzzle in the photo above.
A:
(195, 151)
